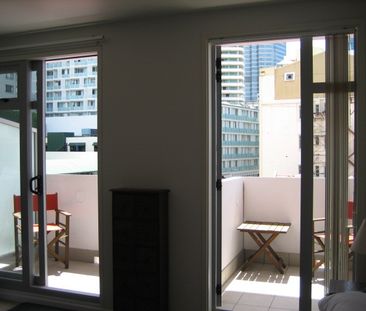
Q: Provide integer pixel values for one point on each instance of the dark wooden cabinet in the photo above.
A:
(140, 249)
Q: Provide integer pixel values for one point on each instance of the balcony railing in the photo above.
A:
(240, 156)
(240, 130)
(237, 117)
(240, 143)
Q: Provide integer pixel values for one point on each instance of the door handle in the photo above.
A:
(35, 184)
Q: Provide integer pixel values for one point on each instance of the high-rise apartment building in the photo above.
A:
(71, 91)
(71, 87)
(232, 68)
(240, 128)
(257, 56)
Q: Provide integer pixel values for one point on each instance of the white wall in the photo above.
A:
(232, 217)
(78, 195)
(9, 182)
(71, 124)
(279, 139)
(154, 117)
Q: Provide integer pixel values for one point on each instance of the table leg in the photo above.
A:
(271, 251)
(265, 246)
(262, 247)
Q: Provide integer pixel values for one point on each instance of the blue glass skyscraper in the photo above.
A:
(257, 56)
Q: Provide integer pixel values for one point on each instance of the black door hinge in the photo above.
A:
(218, 184)
(218, 69)
(218, 289)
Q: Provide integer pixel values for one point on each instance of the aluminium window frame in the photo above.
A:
(306, 184)
(78, 47)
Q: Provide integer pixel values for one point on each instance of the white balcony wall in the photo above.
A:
(266, 199)
(78, 195)
(232, 216)
(278, 200)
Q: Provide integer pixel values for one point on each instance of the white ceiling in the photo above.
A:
(26, 15)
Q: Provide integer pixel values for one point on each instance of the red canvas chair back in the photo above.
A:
(51, 202)
(350, 210)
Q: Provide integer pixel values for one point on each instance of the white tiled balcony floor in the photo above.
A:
(81, 277)
(261, 288)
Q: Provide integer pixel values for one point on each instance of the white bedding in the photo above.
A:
(347, 301)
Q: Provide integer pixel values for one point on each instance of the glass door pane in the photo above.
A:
(333, 161)
(319, 199)
(71, 125)
(10, 238)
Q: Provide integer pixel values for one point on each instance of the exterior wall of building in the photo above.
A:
(279, 138)
(287, 81)
(71, 86)
(89, 142)
(240, 140)
(280, 123)
(73, 124)
(232, 63)
(8, 85)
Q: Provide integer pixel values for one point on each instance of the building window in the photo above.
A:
(80, 70)
(49, 107)
(289, 76)
(316, 140)
(9, 76)
(77, 147)
(316, 170)
(91, 103)
(9, 88)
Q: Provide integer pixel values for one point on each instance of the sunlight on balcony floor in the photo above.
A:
(80, 276)
(261, 288)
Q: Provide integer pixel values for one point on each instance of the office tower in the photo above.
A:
(257, 56)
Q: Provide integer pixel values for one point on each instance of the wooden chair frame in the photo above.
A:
(60, 227)
(319, 237)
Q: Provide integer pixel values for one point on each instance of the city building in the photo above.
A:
(280, 122)
(240, 127)
(256, 57)
(240, 140)
(71, 91)
(8, 85)
(232, 77)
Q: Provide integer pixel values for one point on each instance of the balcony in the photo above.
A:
(260, 286)
(77, 194)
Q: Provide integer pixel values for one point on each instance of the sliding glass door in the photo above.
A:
(22, 250)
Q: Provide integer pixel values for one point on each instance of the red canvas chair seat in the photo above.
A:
(60, 227)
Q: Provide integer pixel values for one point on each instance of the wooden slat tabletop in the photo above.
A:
(264, 226)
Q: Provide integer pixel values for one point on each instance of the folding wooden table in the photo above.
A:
(256, 229)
